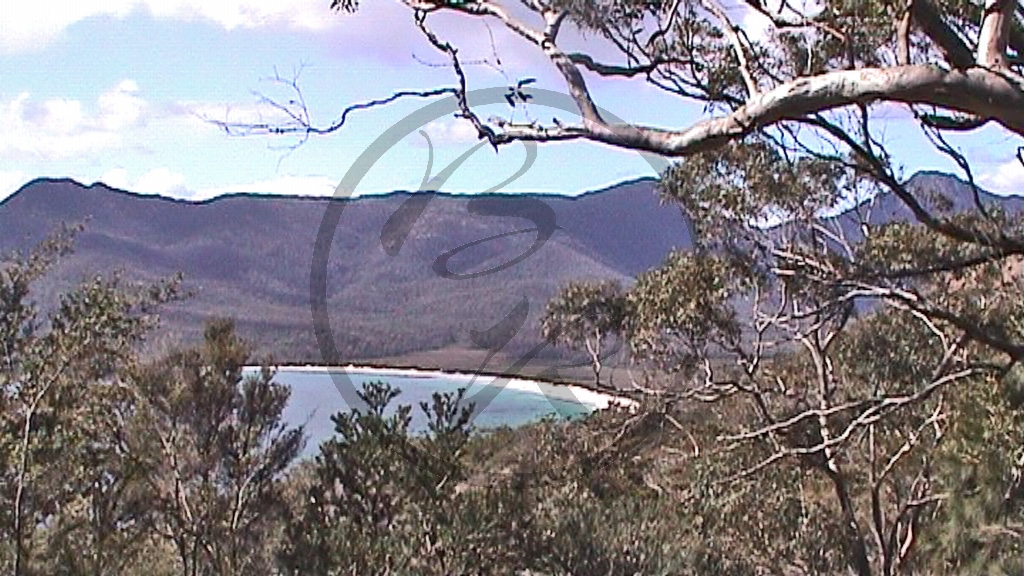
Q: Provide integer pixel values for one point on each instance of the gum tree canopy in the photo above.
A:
(760, 64)
(851, 384)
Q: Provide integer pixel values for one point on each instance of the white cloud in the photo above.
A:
(59, 116)
(121, 107)
(1006, 178)
(165, 182)
(10, 182)
(231, 14)
(62, 128)
(285, 185)
(116, 178)
(162, 181)
(447, 132)
(32, 25)
(382, 31)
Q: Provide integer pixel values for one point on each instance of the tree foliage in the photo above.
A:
(380, 498)
(840, 394)
(217, 449)
(587, 316)
(64, 404)
(106, 458)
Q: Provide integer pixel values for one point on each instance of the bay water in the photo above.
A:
(315, 397)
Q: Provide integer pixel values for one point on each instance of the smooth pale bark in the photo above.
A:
(994, 37)
(977, 91)
(981, 86)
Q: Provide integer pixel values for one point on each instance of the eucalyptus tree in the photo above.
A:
(856, 378)
(380, 499)
(858, 374)
(756, 66)
(587, 316)
(61, 384)
(217, 449)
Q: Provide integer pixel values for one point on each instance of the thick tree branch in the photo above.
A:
(994, 37)
(903, 36)
(980, 94)
(975, 91)
(946, 39)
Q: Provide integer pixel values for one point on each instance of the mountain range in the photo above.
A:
(250, 257)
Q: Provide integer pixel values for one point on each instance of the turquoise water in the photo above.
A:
(315, 397)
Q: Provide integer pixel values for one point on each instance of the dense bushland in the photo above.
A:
(182, 465)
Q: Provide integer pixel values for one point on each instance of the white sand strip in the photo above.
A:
(592, 399)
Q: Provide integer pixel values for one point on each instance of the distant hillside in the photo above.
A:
(940, 193)
(249, 257)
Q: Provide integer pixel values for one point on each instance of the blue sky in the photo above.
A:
(115, 91)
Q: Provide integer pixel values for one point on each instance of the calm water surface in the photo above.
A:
(315, 398)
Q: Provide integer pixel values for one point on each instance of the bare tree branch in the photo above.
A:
(732, 31)
(983, 90)
(948, 41)
(588, 62)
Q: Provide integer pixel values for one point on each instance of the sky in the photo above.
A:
(123, 91)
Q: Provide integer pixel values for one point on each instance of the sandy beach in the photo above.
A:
(592, 399)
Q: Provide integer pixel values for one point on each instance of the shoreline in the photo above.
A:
(592, 399)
